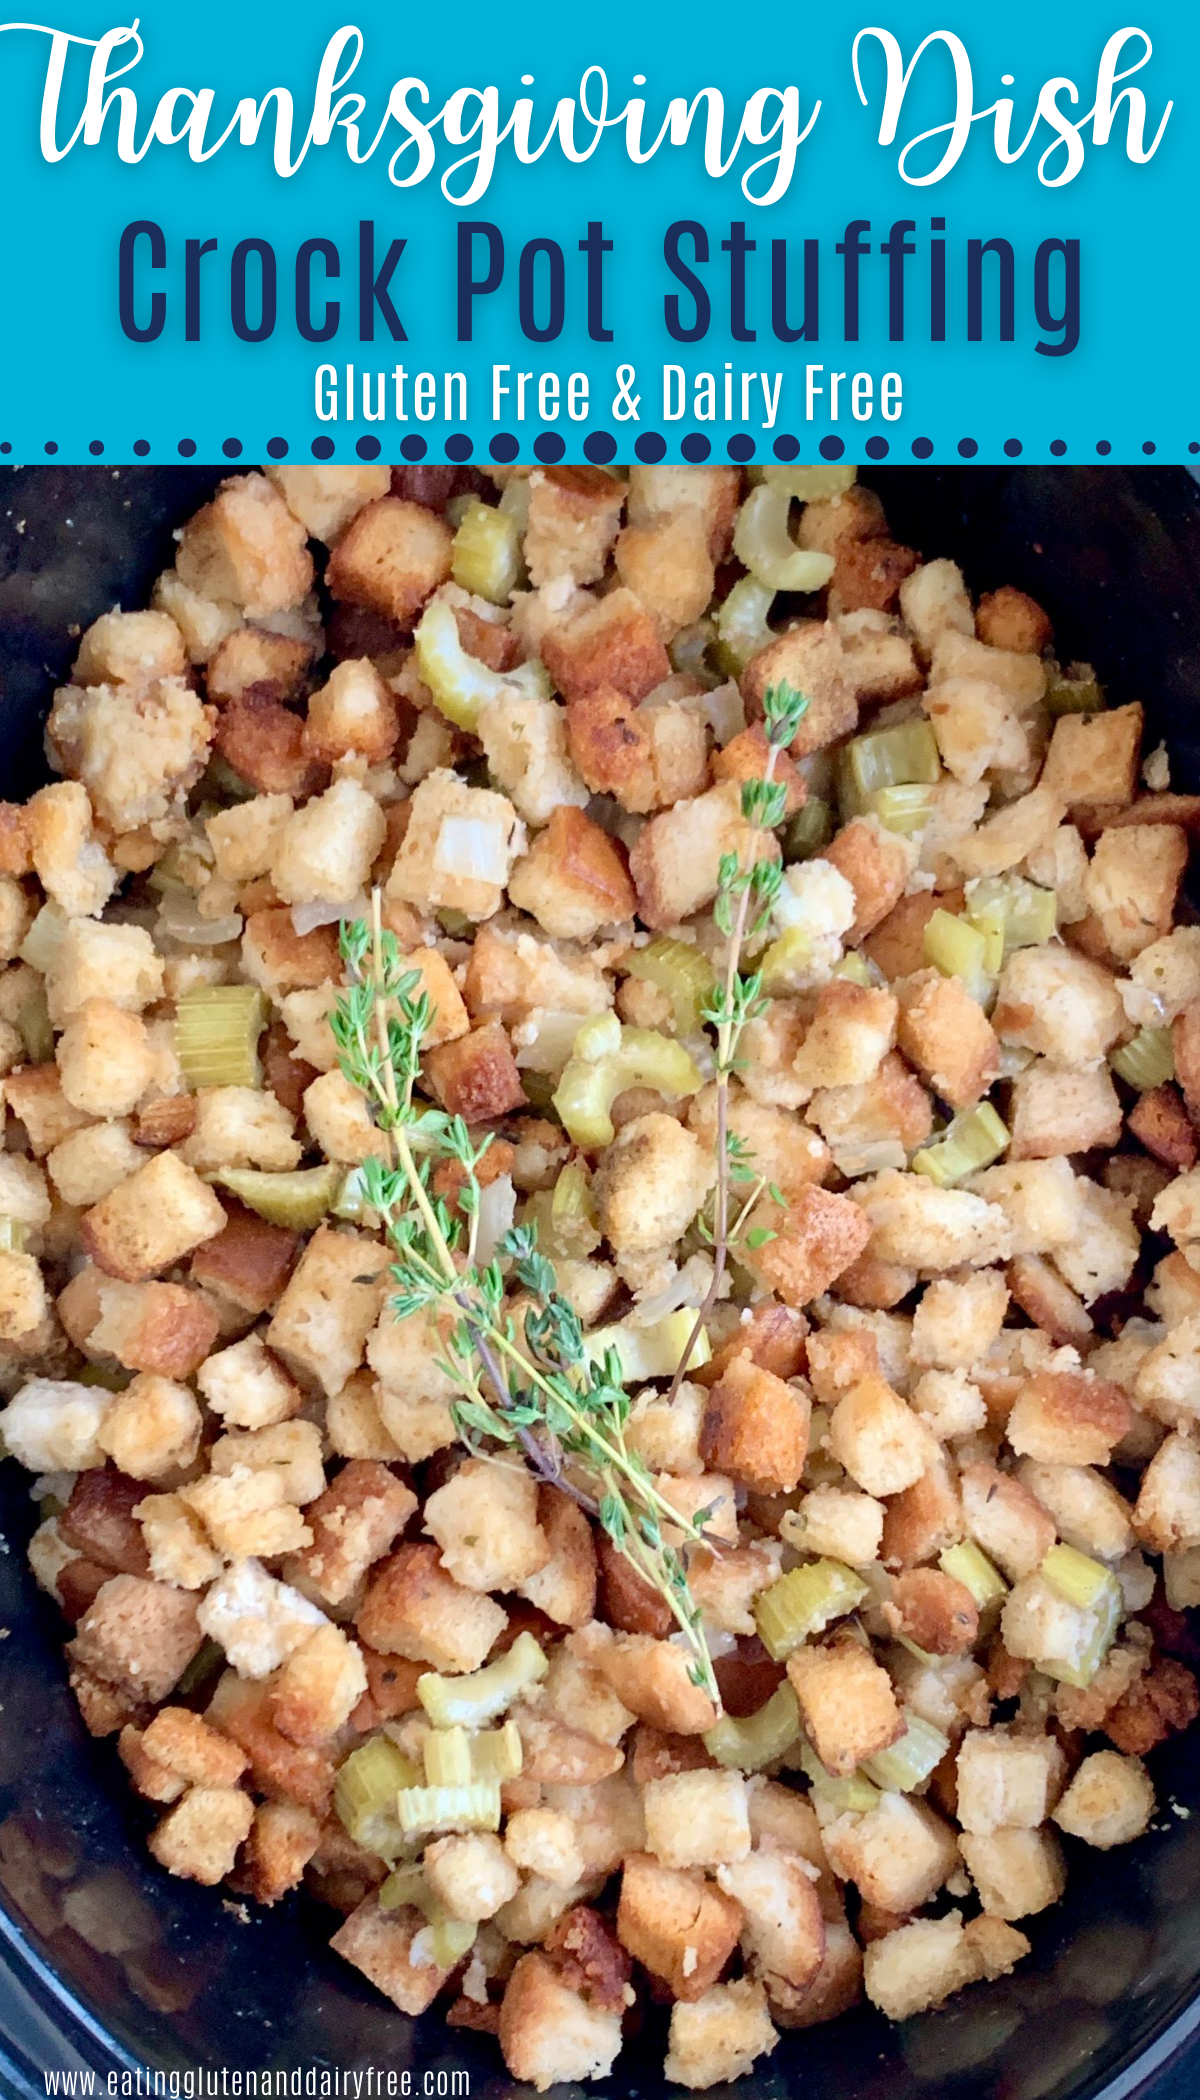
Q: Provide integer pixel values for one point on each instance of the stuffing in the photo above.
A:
(200, 1837)
(605, 641)
(898, 1854)
(918, 1225)
(697, 1819)
(1166, 1515)
(110, 962)
(53, 1425)
(808, 657)
(846, 1701)
(1011, 619)
(720, 2036)
(325, 499)
(137, 751)
(1018, 673)
(677, 1924)
(549, 2032)
(354, 1522)
(1016, 1873)
(1050, 1302)
(1069, 1418)
(921, 1964)
(815, 1238)
(649, 1185)
(1087, 1510)
(152, 1428)
(283, 1839)
(1053, 1112)
(1104, 1253)
(1160, 1122)
(525, 739)
(675, 863)
(292, 1450)
(836, 1523)
(258, 659)
(1093, 759)
(138, 1636)
(458, 848)
(1109, 1801)
(1007, 1782)
(338, 1119)
(958, 1319)
(318, 1687)
(68, 860)
(1132, 884)
(326, 849)
(877, 864)
(476, 1075)
(934, 601)
(247, 1387)
(381, 1945)
(1005, 1520)
(258, 1621)
(647, 758)
(877, 656)
(1042, 1202)
(240, 1126)
(23, 1300)
(149, 1222)
(755, 1428)
(933, 1610)
(263, 742)
(246, 549)
(851, 1031)
(1015, 832)
(246, 1513)
(649, 1676)
(89, 1163)
(784, 1933)
(130, 648)
(414, 1607)
(978, 729)
(945, 1033)
(470, 1875)
(328, 1308)
(883, 1445)
(574, 514)
(485, 1523)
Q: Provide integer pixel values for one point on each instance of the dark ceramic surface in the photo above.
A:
(1106, 2003)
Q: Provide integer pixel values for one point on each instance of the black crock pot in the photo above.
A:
(108, 1963)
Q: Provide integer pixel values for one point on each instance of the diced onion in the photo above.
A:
(473, 848)
(307, 917)
(180, 919)
(497, 1209)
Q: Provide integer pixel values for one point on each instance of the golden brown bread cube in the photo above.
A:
(609, 641)
(476, 1075)
(245, 548)
(152, 1220)
(818, 1236)
(755, 1428)
(948, 1037)
(847, 1702)
(414, 1608)
(676, 1924)
(380, 1943)
(254, 656)
(390, 559)
(200, 1836)
(573, 880)
(807, 657)
(138, 1636)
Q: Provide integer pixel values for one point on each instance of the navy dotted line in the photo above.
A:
(600, 447)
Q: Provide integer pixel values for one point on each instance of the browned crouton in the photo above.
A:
(847, 1702)
(755, 1428)
(165, 1122)
(609, 641)
(36, 1098)
(151, 1220)
(253, 657)
(948, 1037)
(380, 1944)
(353, 712)
(897, 944)
(264, 744)
(772, 1335)
(884, 1446)
(815, 1239)
(16, 839)
(868, 574)
(565, 1586)
(414, 1608)
(329, 1307)
(573, 880)
(245, 548)
(647, 758)
(745, 757)
(676, 858)
(627, 1601)
(282, 1841)
(1092, 762)
(319, 1686)
(1055, 1112)
(550, 2031)
(934, 1611)
(1010, 619)
(1051, 1304)
(99, 1520)
(138, 1636)
(1069, 1418)
(282, 960)
(922, 1520)
(390, 559)
(354, 1522)
(650, 1676)
(876, 864)
(248, 1261)
(184, 1744)
(283, 1770)
(476, 1075)
(1155, 1706)
(666, 561)
(1133, 882)
(1160, 1122)
(161, 1327)
(1007, 1522)
(681, 1928)
(1167, 1514)
(199, 1839)
(574, 512)
(809, 658)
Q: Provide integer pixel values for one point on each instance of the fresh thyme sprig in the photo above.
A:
(747, 892)
(537, 1388)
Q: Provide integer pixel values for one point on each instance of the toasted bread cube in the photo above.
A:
(453, 827)
(978, 729)
(354, 1522)
(470, 1875)
(1007, 1782)
(246, 549)
(176, 1543)
(898, 1855)
(1109, 1802)
(676, 859)
(852, 1029)
(130, 648)
(240, 1126)
(950, 1403)
(23, 1300)
(283, 1770)
(1015, 833)
(847, 1702)
(136, 751)
(380, 1944)
(255, 657)
(258, 1621)
(1005, 1520)
(89, 1163)
(183, 1744)
(1011, 619)
(1059, 1004)
(326, 849)
(200, 1837)
(1042, 1202)
(152, 1428)
(247, 1387)
(929, 1228)
(958, 1319)
(325, 499)
(246, 1512)
(282, 1841)
(1053, 1112)
(328, 1308)
(1133, 882)
(932, 1610)
(876, 863)
(574, 512)
(319, 1686)
(154, 1782)
(1016, 1873)
(201, 621)
(666, 562)
(934, 601)
(264, 743)
(646, 757)
(53, 1425)
(1105, 1251)
(879, 1440)
(550, 2032)
(606, 641)
(948, 1037)
(413, 1607)
(920, 1965)
(877, 657)
(809, 658)
(681, 1928)
(720, 2036)
(542, 1841)
(93, 961)
(35, 1096)
(290, 1449)
(784, 1933)
(1069, 1418)
(339, 1119)
(755, 1428)
(139, 1636)
(573, 880)
(1019, 674)
(1160, 1122)
(476, 1075)
(924, 1519)
(816, 1238)
(564, 1587)
(354, 1424)
(149, 1222)
(485, 1522)
(649, 1184)
(1089, 1513)
(1166, 1516)
(839, 1524)
(651, 1677)
(281, 960)
(68, 860)
(390, 558)
(697, 1819)
(1093, 759)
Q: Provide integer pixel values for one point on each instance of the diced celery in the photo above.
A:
(989, 921)
(808, 832)
(299, 1199)
(905, 808)
(497, 1753)
(1025, 912)
(847, 1797)
(811, 484)
(760, 1738)
(481, 1695)
(34, 1027)
(366, 1791)
(206, 1663)
(447, 1939)
(1076, 1576)
(405, 1888)
(954, 946)
(1146, 1060)
(972, 1141)
(475, 1806)
(14, 1233)
(906, 1765)
(653, 1351)
(854, 967)
(787, 961)
(975, 1572)
(1074, 691)
(486, 555)
(1095, 1594)
(742, 628)
(459, 683)
(905, 755)
(689, 649)
(448, 1757)
(597, 1073)
(572, 1219)
(679, 969)
(763, 543)
(44, 938)
(216, 1035)
(803, 1602)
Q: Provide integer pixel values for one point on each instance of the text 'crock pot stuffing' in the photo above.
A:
(600, 1241)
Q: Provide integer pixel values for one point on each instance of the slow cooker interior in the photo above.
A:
(172, 1977)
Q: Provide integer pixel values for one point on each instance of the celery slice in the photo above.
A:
(763, 543)
(572, 1219)
(1077, 1577)
(35, 1028)
(459, 683)
(761, 1738)
(425, 1809)
(448, 1757)
(600, 1069)
(497, 1753)
(1146, 1060)
(653, 1351)
(680, 970)
(446, 1938)
(905, 755)
(14, 1233)
(854, 1796)
(803, 1602)
(216, 1035)
(1094, 1592)
(975, 1572)
(299, 1199)
(972, 1141)
(405, 1888)
(854, 967)
(905, 808)
(808, 832)
(953, 945)
(486, 556)
(481, 1695)
(44, 938)
(1025, 912)
(811, 484)
(906, 1765)
(742, 628)
(787, 961)
(366, 1791)
(1074, 691)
